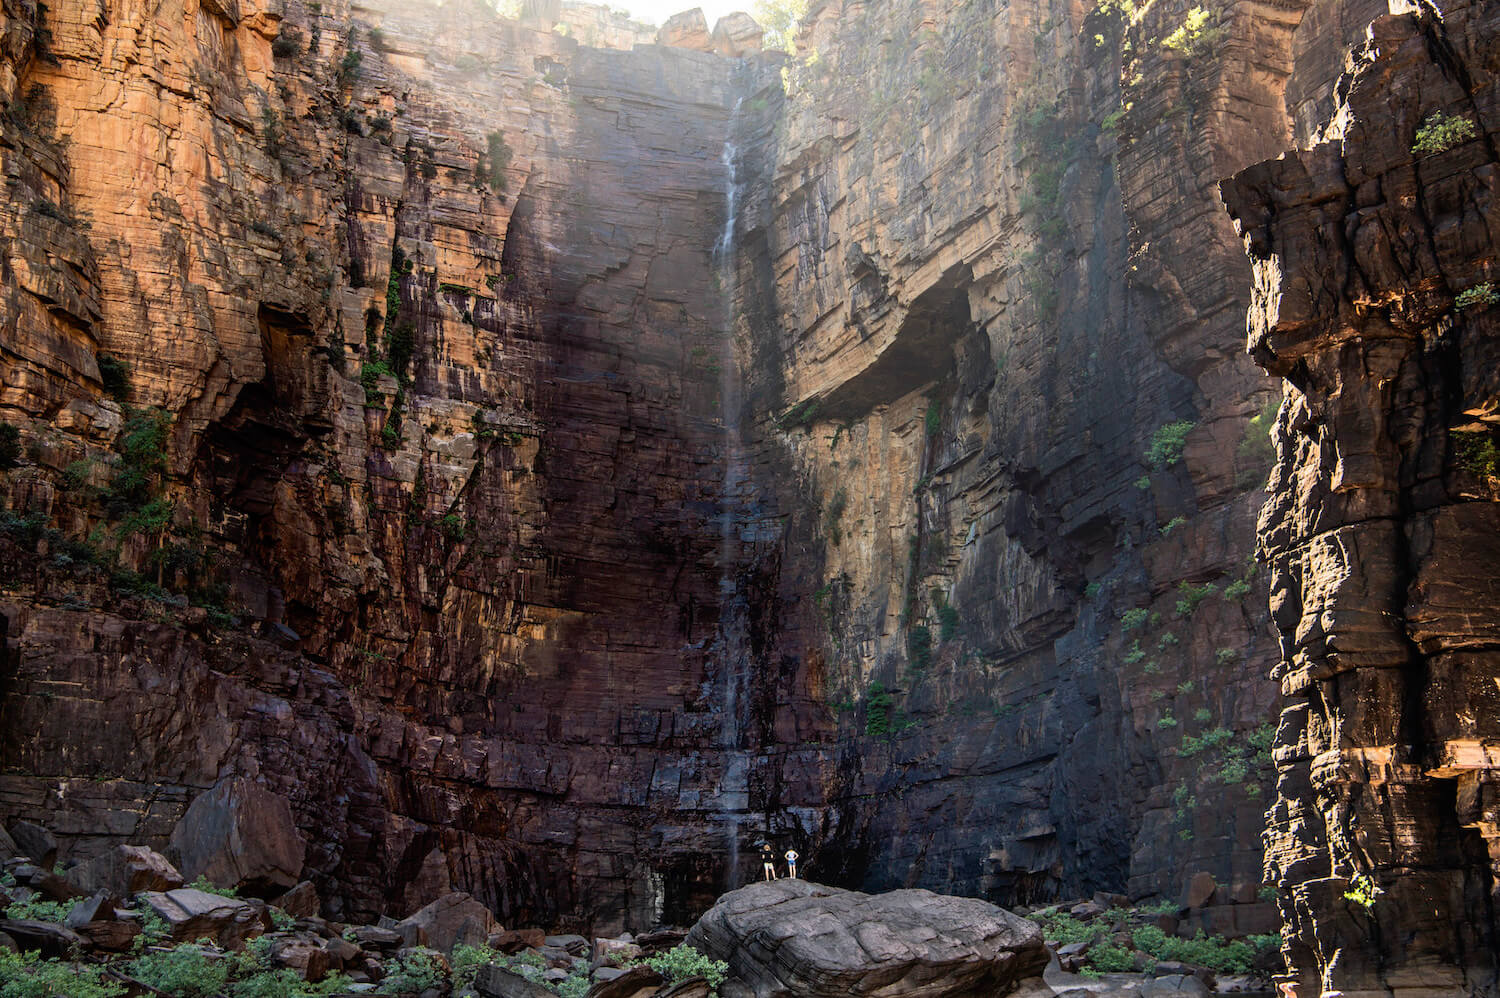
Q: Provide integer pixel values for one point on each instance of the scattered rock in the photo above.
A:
(114, 935)
(239, 834)
(450, 920)
(497, 982)
(795, 938)
(301, 901)
(305, 956)
(1175, 985)
(49, 937)
(693, 987)
(193, 914)
(576, 945)
(125, 870)
(8, 847)
(1200, 890)
(100, 907)
(515, 940)
(374, 937)
(34, 842)
(6, 942)
(637, 982)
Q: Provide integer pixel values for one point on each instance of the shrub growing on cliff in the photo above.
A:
(1194, 36)
(1479, 296)
(114, 374)
(1256, 454)
(1167, 444)
(1440, 132)
(496, 160)
(1474, 451)
(142, 446)
(10, 446)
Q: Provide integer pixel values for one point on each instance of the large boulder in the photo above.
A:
(496, 982)
(35, 843)
(239, 834)
(193, 914)
(125, 870)
(450, 920)
(788, 938)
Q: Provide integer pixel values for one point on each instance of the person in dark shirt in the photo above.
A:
(768, 860)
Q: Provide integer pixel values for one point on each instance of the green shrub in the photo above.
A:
(1167, 444)
(1135, 654)
(1131, 619)
(1474, 451)
(10, 446)
(1111, 959)
(497, 160)
(932, 419)
(185, 972)
(1211, 739)
(1256, 454)
(1167, 721)
(682, 962)
(203, 884)
(1439, 133)
(1213, 952)
(1062, 928)
(1479, 296)
(114, 375)
(1173, 524)
(948, 621)
(415, 970)
(919, 648)
(27, 975)
(142, 446)
(1224, 656)
(1189, 596)
(286, 983)
(877, 711)
(468, 960)
(1091, 591)
(835, 515)
(1238, 589)
(1192, 37)
(453, 527)
(1363, 891)
(349, 66)
(39, 909)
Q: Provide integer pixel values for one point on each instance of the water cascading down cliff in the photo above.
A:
(549, 468)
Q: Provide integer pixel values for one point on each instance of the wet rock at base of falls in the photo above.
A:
(788, 938)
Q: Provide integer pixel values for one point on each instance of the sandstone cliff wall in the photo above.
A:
(1374, 253)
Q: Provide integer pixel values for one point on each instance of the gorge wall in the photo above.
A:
(1374, 250)
(552, 468)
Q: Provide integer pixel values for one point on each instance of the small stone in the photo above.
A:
(301, 901)
(515, 940)
(114, 935)
(374, 937)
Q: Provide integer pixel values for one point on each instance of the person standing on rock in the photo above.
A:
(791, 864)
(768, 860)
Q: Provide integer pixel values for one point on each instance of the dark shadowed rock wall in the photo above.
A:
(1375, 254)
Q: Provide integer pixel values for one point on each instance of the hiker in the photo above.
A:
(768, 860)
(791, 863)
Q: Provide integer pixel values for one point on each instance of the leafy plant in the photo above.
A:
(1256, 454)
(835, 515)
(27, 975)
(496, 160)
(1479, 296)
(203, 884)
(682, 962)
(39, 909)
(1193, 36)
(184, 972)
(1214, 952)
(1167, 444)
(1363, 891)
(1441, 132)
(1474, 451)
(10, 446)
(1131, 619)
(142, 446)
(1189, 596)
(877, 711)
(114, 375)
(1173, 524)
(1111, 959)
(415, 970)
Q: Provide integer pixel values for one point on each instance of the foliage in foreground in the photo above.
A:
(26, 975)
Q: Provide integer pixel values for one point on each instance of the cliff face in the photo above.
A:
(1374, 249)
(550, 468)
(420, 316)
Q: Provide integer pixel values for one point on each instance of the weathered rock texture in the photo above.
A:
(1381, 528)
(420, 314)
(794, 937)
(533, 456)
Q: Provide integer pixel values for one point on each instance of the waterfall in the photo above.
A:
(734, 792)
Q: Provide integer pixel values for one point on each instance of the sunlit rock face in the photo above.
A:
(559, 467)
(1374, 248)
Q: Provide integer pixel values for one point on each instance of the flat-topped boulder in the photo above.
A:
(786, 938)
